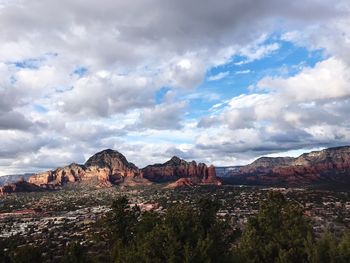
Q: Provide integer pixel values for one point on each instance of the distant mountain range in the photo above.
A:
(327, 167)
(110, 167)
(106, 168)
(225, 171)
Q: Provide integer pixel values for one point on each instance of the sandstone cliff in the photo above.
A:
(107, 167)
(319, 167)
(110, 167)
(177, 168)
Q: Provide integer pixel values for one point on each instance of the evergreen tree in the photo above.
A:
(184, 234)
(278, 233)
(343, 253)
(75, 253)
(27, 254)
(122, 220)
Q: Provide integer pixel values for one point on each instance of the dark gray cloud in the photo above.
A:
(13, 121)
(147, 33)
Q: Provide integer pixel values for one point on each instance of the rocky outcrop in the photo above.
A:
(107, 167)
(319, 167)
(188, 182)
(20, 186)
(177, 168)
(71, 173)
(115, 162)
(211, 177)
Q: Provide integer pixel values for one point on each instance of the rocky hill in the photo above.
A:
(329, 166)
(109, 167)
(177, 168)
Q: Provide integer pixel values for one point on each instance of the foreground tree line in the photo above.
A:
(278, 233)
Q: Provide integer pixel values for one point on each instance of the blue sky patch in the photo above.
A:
(160, 94)
(40, 108)
(236, 79)
(80, 71)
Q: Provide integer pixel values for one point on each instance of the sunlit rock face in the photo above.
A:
(327, 166)
(177, 168)
(110, 167)
(71, 173)
(107, 167)
(187, 182)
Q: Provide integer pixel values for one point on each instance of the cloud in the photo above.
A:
(247, 71)
(308, 110)
(257, 51)
(130, 50)
(329, 79)
(105, 93)
(163, 116)
(219, 76)
(13, 121)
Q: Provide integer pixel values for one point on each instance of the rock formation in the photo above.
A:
(110, 167)
(180, 183)
(319, 167)
(60, 176)
(211, 177)
(20, 186)
(177, 168)
(107, 167)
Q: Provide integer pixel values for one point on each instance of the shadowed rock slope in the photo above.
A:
(19, 186)
(177, 169)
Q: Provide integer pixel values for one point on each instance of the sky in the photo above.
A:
(221, 82)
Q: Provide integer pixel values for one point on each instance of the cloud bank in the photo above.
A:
(80, 76)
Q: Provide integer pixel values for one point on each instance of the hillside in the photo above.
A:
(328, 166)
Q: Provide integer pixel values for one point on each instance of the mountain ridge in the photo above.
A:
(331, 165)
(110, 167)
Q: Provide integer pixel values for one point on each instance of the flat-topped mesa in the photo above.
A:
(337, 157)
(177, 168)
(264, 165)
(332, 164)
(107, 167)
(327, 166)
(272, 161)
